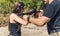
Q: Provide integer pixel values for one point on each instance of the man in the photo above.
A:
(51, 16)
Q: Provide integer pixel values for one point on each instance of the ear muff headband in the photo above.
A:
(20, 6)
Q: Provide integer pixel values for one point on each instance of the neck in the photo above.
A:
(50, 1)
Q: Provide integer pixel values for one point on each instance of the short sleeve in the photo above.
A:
(50, 11)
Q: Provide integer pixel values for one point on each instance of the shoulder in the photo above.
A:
(12, 15)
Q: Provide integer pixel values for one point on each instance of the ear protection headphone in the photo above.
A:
(20, 5)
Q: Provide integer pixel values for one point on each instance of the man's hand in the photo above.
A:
(40, 13)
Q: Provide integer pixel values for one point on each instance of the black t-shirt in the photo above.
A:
(52, 11)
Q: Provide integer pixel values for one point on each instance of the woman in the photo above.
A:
(15, 21)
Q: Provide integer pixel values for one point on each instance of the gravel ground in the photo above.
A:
(33, 30)
(30, 30)
(4, 31)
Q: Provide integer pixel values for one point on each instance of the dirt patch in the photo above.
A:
(4, 31)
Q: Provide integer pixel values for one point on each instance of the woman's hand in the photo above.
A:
(25, 17)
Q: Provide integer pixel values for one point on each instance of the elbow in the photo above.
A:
(40, 24)
(25, 23)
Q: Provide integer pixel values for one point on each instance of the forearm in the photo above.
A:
(39, 21)
(36, 21)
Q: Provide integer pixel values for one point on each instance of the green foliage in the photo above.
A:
(6, 5)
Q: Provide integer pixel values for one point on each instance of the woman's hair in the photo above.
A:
(18, 6)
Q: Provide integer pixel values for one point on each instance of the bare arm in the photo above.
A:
(39, 21)
(18, 19)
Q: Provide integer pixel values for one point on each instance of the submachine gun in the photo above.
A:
(34, 12)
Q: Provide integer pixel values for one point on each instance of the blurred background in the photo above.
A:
(7, 5)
